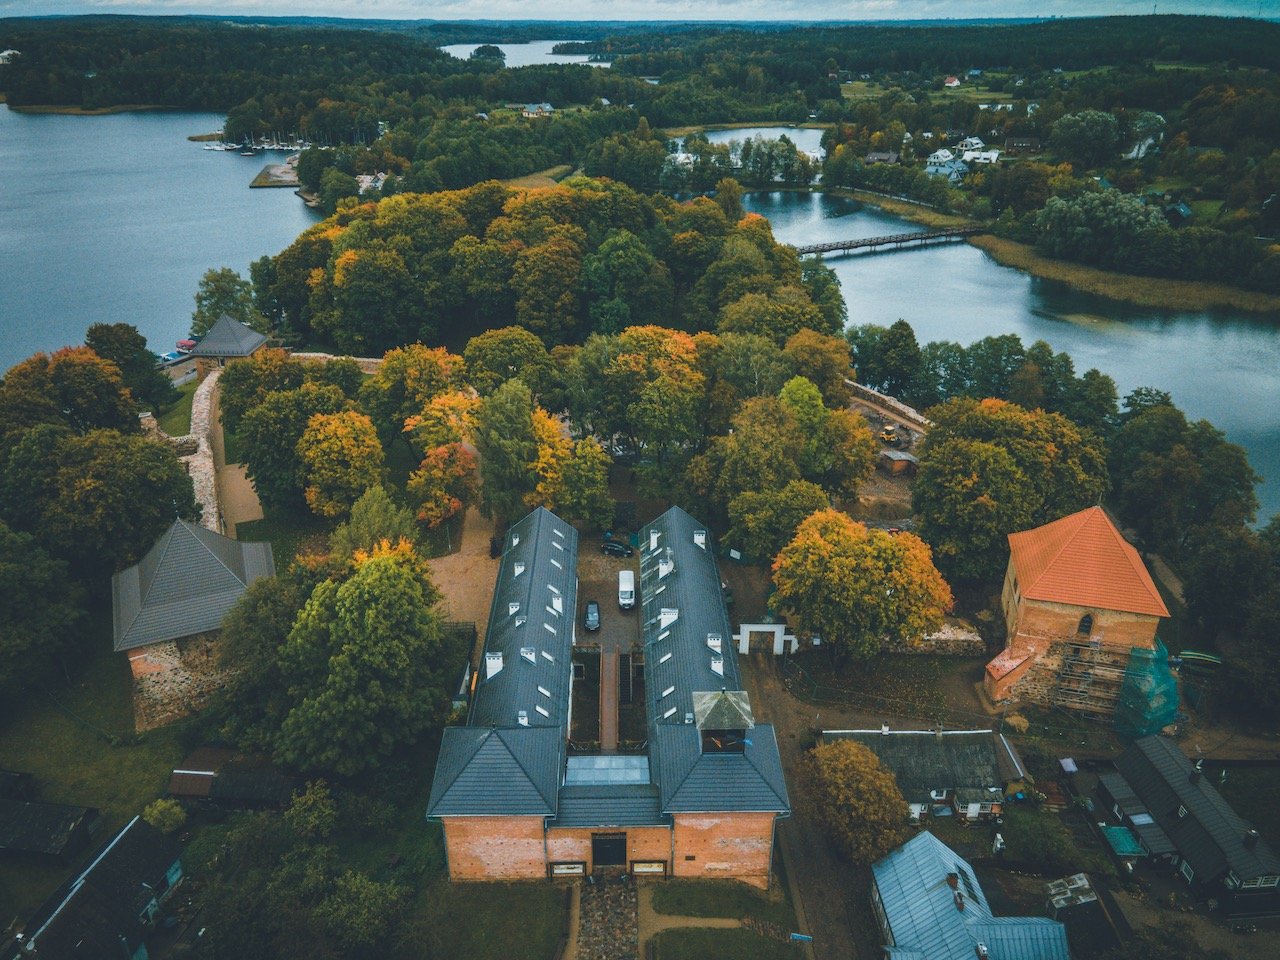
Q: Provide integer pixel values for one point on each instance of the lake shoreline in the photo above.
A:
(73, 111)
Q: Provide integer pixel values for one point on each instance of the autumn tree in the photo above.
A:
(39, 604)
(858, 588)
(405, 381)
(857, 801)
(496, 356)
(826, 361)
(72, 387)
(374, 517)
(583, 493)
(763, 522)
(444, 484)
(445, 419)
(123, 345)
(365, 666)
(244, 384)
(223, 292)
(341, 459)
(269, 436)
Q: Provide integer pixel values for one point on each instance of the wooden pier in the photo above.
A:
(896, 241)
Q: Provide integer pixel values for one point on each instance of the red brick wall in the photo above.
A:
(495, 848)
(643, 843)
(734, 845)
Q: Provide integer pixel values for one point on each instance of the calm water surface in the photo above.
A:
(115, 218)
(1223, 366)
(805, 139)
(522, 54)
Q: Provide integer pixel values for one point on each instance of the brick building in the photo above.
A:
(1078, 603)
(704, 798)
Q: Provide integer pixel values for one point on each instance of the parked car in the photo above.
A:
(591, 619)
(626, 589)
(616, 548)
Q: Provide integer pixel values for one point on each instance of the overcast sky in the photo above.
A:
(647, 9)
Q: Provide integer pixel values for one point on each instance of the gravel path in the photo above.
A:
(608, 927)
(238, 499)
(466, 578)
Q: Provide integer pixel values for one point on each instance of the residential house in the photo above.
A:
(49, 829)
(951, 82)
(111, 906)
(981, 156)
(881, 156)
(6, 56)
(224, 777)
(941, 155)
(970, 143)
(930, 906)
(226, 340)
(1094, 921)
(704, 798)
(1081, 614)
(994, 107)
(168, 609)
(968, 773)
(1178, 214)
(1183, 821)
(974, 73)
(953, 170)
(537, 110)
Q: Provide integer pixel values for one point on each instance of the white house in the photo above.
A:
(951, 82)
(941, 155)
(537, 110)
(953, 170)
(6, 56)
(971, 143)
(981, 156)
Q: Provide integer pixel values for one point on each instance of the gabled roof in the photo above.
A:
(924, 760)
(723, 710)
(184, 585)
(924, 912)
(1082, 560)
(53, 829)
(497, 772)
(229, 338)
(92, 911)
(1210, 835)
(689, 650)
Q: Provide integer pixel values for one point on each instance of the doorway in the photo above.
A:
(609, 849)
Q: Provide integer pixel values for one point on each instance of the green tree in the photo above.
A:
(374, 517)
(336, 186)
(39, 604)
(224, 293)
(823, 287)
(313, 812)
(624, 284)
(245, 383)
(496, 356)
(858, 588)
(583, 496)
(778, 315)
(123, 345)
(1225, 570)
(114, 495)
(825, 360)
(269, 436)
(406, 380)
(341, 459)
(762, 523)
(1086, 138)
(359, 909)
(72, 387)
(762, 452)
(857, 801)
(365, 666)
(507, 446)
(378, 303)
(165, 814)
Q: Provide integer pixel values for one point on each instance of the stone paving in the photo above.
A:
(608, 926)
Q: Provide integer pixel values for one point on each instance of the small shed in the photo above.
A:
(895, 462)
(49, 829)
(228, 778)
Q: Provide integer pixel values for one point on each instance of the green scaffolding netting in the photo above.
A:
(1148, 694)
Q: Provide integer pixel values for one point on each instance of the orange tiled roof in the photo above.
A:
(1082, 560)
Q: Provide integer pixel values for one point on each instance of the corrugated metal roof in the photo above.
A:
(924, 915)
(1210, 835)
(689, 649)
(228, 338)
(1082, 560)
(184, 585)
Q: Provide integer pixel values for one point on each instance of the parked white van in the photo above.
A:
(626, 589)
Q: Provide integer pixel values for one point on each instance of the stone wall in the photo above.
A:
(909, 415)
(366, 364)
(174, 680)
(955, 639)
(195, 450)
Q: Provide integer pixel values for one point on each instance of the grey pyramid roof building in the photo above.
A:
(184, 585)
(229, 338)
(723, 710)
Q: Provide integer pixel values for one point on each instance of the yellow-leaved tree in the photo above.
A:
(857, 801)
(341, 459)
(858, 588)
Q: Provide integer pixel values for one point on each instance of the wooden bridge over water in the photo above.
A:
(895, 241)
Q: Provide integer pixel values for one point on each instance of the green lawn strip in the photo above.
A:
(1251, 791)
(52, 731)
(693, 943)
(288, 531)
(176, 421)
(488, 921)
(722, 898)
(232, 449)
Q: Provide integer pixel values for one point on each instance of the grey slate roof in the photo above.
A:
(228, 338)
(611, 805)
(1141, 822)
(1211, 835)
(683, 614)
(48, 828)
(922, 761)
(495, 765)
(926, 923)
(184, 585)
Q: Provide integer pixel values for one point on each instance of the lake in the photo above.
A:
(806, 139)
(523, 54)
(115, 219)
(1223, 366)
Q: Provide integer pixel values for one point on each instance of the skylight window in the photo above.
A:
(549, 628)
(544, 691)
(543, 711)
(548, 656)
(667, 692)
(665, 657)
(669, 714)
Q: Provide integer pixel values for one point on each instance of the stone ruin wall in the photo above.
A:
(175, 679)
(955, 639)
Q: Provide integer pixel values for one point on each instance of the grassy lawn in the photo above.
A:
(232, 448)
(1205, 210)
(488, 921)
(703, 944)
(543, 178)
(1251, 792)
(176, 421)
(75, 761)
(288, 531)
(722, 898)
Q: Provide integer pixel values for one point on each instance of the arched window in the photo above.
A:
(1086, 625)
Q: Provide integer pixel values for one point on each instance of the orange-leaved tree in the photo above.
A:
(857, 801)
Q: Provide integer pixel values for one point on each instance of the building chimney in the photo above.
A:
(960, 901)
(1195, 774)
(953, 880)
(980, 951)
(884, 729)
(1250, 838)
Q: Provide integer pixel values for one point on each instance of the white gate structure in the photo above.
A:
(781, 639)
